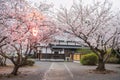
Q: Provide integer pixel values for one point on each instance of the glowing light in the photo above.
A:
(35, 31)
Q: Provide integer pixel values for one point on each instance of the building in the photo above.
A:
(59, 49)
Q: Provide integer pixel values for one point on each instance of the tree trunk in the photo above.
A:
(15, 70)
(101, 65)
(4, 62)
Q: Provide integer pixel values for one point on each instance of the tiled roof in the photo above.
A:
(68, 46)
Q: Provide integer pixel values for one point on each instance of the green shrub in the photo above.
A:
(89, 59)
(113, 60)
(29, 62)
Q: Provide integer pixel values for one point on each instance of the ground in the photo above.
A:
(62, 71)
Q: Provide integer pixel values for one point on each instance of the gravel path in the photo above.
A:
(29, 73)
(62, 71)
(58, 71)
(83, 72)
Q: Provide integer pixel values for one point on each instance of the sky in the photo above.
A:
(68, 3)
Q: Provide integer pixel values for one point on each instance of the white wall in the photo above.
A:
(43, 50)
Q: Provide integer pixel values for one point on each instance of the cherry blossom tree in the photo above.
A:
(21, 27)
(94, 24)
(2, 38)
(117, 47)
(16, 20)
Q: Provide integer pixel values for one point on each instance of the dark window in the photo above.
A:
(56, 52)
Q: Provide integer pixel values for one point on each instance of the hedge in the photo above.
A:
(89, 59)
